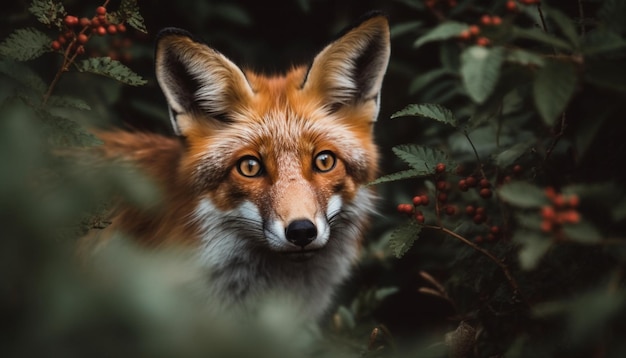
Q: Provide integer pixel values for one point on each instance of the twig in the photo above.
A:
(581, 14)
(512, 282)
(543, 19)
(480, 164)
(557, 136)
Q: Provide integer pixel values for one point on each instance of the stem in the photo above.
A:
(480, 164)
(581, 14)
(543, 19)
(557, 136)
(503, 267)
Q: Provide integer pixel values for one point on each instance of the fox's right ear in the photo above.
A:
(197, 81)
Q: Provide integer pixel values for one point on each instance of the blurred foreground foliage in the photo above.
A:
(527, 96)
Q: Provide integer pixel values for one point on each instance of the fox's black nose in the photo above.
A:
(301, 232)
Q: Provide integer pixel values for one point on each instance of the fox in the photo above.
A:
(265, 177)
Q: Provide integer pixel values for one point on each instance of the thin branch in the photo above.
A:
(512, 282)
(480, 164)
(581, 15)
(557, 136)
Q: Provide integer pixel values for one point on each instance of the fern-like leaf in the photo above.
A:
(403, 237)
(107, 67)
(129, 12)
(25, 44)
(430, 111)
(422, 159)
(48, 12)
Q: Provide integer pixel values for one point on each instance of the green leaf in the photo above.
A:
(510, 155)
(612, 14)
(403, 237)
(430, 111)
(566, 25)
(23, 75)
(534, 247)
(600, 41)
(423, 80)
(48, 12)
(523, 195)
(443, 31)
(553, 88)
(540, 36)
(64, 132)
(480, 71)
(422, 159)
(233, 13)
(583, 232)
(25, 44)
(129, 11)
(524, 58)
(67, 102)
(107, 67)
(405, 174)
(404, 28)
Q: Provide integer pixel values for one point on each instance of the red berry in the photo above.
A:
(470, 181)
(84, 21)
(425, 200)
(452, 3)
(419, 216)
(478, 219)
(570, 216)
(56, 45)
(482, 41)
(70, 20)
(480, 210)
(62, 39)
(80, 50)
(550, 193)
(559, 201)
(101, 30)
(511, 5)
(101, 10)
(442, 197)
(546, 226)
(121, 27)
(402, 208)
(95, 22)
(496, 20)
(441, 185)
(486, 20)
(485, 193)
(112, 29)
(474, 30)
(440, 168)
(517, 169)
(463, 185)
(470, 210)
(417, 200)
(574, 201)
(507, 179)
(495, 230)
(491, 237)
(450, 210)
(547, 212)
(465, 35)
(478, 239)
(484, 183)
(82, 38)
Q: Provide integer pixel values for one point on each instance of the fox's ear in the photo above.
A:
(350, 70)
(197, 81)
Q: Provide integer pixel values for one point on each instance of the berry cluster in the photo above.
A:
(78, 31)
(561, 211)
(431, 4)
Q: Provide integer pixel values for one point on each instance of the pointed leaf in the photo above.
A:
(480, 71)
(524, 57)
(428, 110)
(511, 154)
(129, 11)
(25, 44)
(583, 232)
(405, 174)
(523, 195)
(23, 74)
(422, 159)
(443, 31)
(540, 36)
(553, 88)
(404, 27)
(534, 247)
(566, 25)
(67, 102)
(48, 12)
(601, 41)
(425, 79)
(111, 68)
(403, 237)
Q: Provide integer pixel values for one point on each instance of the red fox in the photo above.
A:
(265, 178)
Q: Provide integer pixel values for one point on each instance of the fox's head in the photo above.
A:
(282, 158)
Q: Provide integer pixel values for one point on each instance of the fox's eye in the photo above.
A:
(325, 161)
(249, 166)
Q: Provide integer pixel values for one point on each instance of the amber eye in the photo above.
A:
(249, 166)
(325, 161)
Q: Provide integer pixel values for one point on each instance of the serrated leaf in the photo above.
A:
(405, 174)
(540, 36)
(129, 11)
(64, 132)
(534, 247)
(422, 159)
(524, 57)
(480, 71)
(523, 195)
(23, 75)
(48, 12)
(553, 87)
(404, 27)
(566, 25)
(107, 67)
(67, 102)
(443, 31)
(25, 44)
(430, 111)
(403, 237)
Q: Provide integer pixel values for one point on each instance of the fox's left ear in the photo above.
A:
(350, 70)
